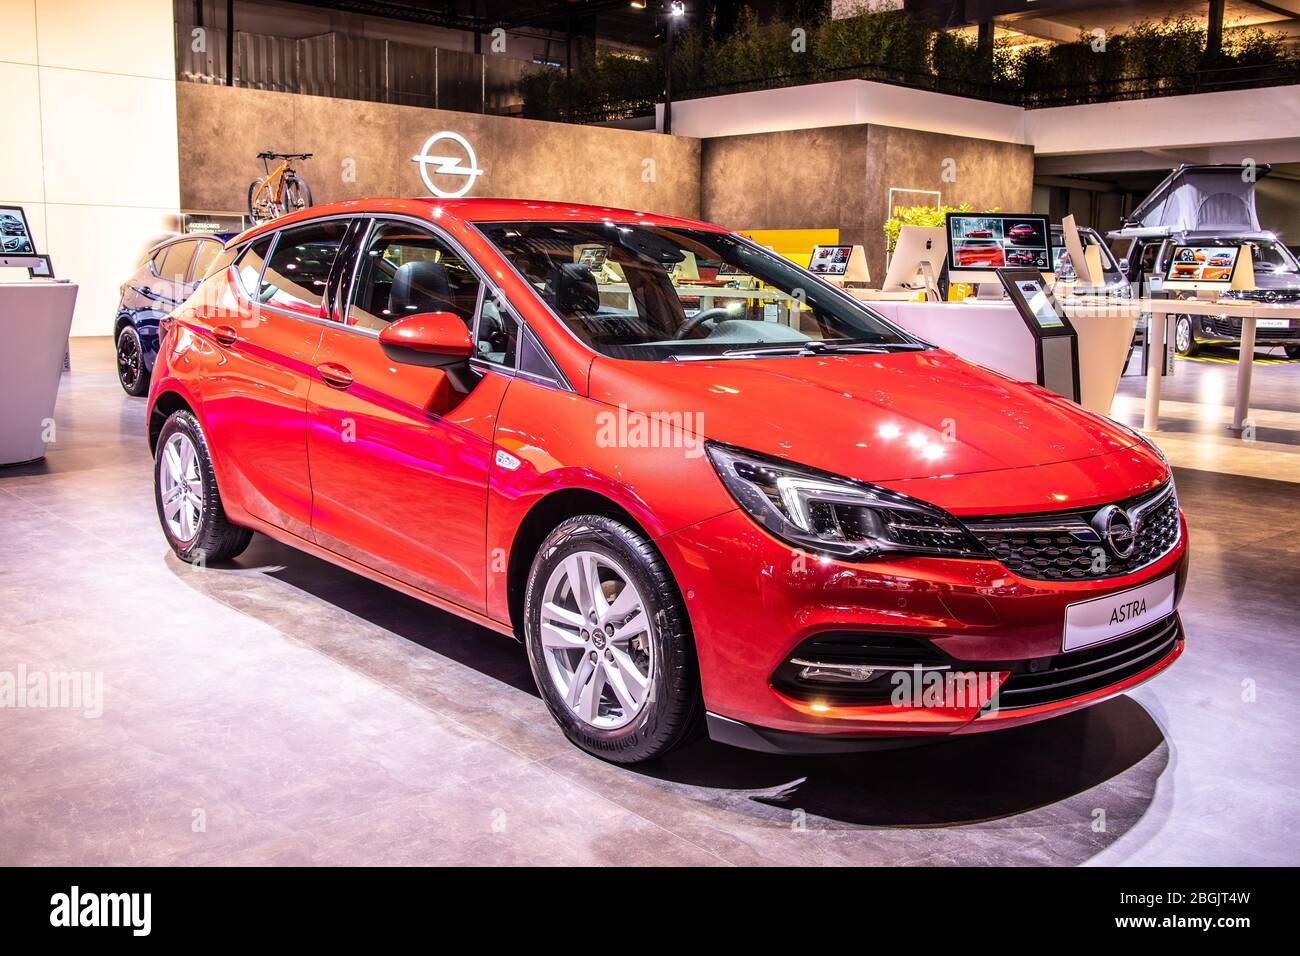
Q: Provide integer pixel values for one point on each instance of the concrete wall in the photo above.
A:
(89, 120)
(365, 149)
(841, 176)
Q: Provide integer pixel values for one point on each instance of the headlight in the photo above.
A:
(833, 515)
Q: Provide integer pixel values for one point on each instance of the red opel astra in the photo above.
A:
(703, 487)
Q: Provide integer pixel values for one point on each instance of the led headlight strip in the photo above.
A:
(830, 514)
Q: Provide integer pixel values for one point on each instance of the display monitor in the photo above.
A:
(15, 237)
(917, 246)
(1202, 266)
(981, 243)
(830, 260)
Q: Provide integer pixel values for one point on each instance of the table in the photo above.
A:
(1248, 311)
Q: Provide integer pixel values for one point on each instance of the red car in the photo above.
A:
(797, 525)
(988, 254)
(1022, 233)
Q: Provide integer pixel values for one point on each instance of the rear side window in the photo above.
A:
(299, 268)
(207, 257)
(176, 260)
(249, 268)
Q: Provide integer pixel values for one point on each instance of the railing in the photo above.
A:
(1064, 94)
(355, 68)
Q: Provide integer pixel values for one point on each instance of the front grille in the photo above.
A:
(1229, 327)
(1089, 669)
(1066, 547)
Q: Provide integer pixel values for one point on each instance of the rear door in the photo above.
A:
(399, 458)
(261, 364)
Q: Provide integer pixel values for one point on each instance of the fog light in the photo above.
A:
(835, 673)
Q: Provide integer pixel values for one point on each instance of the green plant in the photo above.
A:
(919, 216)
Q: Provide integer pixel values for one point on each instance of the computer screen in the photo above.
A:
(1202, 264)
(830, 260)
(984, 242)
(15, 237)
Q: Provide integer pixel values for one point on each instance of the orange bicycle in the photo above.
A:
(281, 190)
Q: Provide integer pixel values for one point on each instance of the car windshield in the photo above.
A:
(654, 293)
(1269, 256)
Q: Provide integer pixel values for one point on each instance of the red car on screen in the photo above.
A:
(982, 254)
(692, 513)
(1022, 233)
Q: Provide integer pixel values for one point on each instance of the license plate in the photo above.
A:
(1106, 618)
(1272, 324)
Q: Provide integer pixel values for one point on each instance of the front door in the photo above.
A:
(399, 457)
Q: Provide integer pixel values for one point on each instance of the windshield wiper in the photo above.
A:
(823, 347)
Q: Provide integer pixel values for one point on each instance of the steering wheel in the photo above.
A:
(704, 315)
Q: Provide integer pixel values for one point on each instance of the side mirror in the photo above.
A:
(432, 339)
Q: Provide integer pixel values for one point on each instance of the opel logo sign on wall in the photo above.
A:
(1116, 529)
(461, 162)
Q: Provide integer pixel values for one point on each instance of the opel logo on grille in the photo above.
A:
(1116, 529)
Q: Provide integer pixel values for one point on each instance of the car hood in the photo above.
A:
(872, 417)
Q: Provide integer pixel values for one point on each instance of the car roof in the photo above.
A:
(483, 210)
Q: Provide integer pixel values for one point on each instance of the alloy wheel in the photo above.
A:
(128, 360)
(1183, 335)
(180, 487)
(597, 639)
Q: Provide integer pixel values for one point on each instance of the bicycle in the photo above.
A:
(281, 190)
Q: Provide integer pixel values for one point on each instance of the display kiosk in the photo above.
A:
(1056, 345)
(35, 319)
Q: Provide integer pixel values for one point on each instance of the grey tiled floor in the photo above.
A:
(285, 711)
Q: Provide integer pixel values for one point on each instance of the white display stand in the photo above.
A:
(35, 319)
(993, 334)
(989, 333)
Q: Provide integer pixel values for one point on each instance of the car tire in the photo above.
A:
(1292, 351)
(606, 716)
(193, 518)
(132, 372)
(1185, 337)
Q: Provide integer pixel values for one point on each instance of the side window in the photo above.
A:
(497, 340)
(249, 268)
(203, 263)
(299, 267)
(405, 270)
(176, 261)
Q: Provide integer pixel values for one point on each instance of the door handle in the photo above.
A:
(334, 375)
(225, 334)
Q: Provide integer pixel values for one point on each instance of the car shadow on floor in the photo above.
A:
(953, 782)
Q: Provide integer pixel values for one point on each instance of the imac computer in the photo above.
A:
(919, 257)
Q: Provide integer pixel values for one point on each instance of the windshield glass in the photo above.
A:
(653, 293)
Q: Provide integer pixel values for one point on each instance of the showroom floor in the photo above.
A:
(283, 711)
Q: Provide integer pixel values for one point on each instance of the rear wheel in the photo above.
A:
(132, 372)
(185, 491)
(260, 206)
(609, 641)
(1185, 337)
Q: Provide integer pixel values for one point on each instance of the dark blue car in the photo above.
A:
(169, 273)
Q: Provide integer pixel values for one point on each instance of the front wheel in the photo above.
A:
(609, 641)
(297, 194)
(1184, 337)
(1292, 351)
(132, 372)
(185, 491)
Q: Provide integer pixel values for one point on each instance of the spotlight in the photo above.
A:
(677, 9)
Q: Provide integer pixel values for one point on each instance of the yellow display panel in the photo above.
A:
(795, 244)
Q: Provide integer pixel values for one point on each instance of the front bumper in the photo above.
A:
(753, 602)
(1226, 330)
